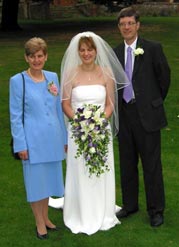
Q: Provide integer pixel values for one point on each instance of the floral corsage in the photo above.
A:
(52, 88)
(138, 51)
(91, 134)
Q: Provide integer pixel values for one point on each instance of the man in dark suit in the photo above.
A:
(141, 117)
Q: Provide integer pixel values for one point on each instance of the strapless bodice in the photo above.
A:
(88, 94)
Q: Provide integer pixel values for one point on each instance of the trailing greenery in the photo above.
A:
(17, 226)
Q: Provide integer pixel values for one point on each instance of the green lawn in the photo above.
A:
(17, 226)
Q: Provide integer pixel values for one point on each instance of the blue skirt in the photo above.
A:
(43, 180)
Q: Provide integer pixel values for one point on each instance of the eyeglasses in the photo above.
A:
(130, 23)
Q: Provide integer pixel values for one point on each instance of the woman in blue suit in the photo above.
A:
(38, 132)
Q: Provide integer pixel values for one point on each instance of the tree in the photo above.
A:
(10, 15)
(9, 19)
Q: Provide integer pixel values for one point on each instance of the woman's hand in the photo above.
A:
(23, 155)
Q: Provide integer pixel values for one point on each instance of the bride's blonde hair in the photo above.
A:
(88, 41)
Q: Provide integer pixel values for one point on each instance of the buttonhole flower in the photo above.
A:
(52, 88)
(138, 51)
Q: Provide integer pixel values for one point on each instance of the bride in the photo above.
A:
(90, 78)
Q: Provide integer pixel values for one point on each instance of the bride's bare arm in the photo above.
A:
(109, 106)
(66, 105)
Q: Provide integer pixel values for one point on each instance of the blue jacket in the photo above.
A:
(43, 133)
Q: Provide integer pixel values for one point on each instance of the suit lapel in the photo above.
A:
(120, 54)
(139, 58)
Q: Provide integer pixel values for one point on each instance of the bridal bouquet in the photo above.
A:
(91, 134)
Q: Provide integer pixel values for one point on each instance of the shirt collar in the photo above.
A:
(133, 45)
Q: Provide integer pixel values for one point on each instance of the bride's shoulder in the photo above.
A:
(104, 69)
(105, 72)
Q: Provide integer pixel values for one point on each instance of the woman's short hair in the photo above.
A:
(34, 45)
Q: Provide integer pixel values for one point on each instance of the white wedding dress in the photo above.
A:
(89, 202)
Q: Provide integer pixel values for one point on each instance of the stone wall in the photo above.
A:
(158, 9)
(43, 11)
(68, 8)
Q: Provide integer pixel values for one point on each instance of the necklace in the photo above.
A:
(34, 78)
(89, 72)
(89, 78)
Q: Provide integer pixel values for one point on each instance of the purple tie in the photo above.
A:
(128, 91)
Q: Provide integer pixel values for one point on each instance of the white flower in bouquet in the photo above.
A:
(83, 138)
(92, 150)
(87, 113)
(91, 126)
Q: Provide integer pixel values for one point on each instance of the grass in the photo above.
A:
(17, 226)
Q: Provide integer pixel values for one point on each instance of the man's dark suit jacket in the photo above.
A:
(151, 80)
